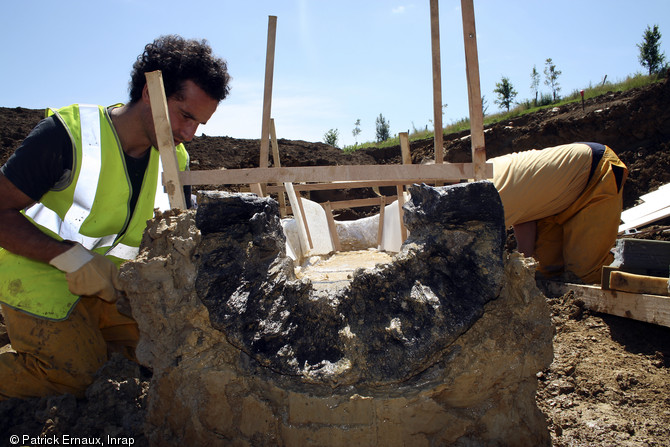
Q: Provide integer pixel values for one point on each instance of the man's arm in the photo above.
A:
(17, 233)
(525, 235)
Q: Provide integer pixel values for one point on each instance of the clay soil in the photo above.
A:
(609, 383)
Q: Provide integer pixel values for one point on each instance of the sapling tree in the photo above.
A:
(650, 55)
(506, 93)
(551, 74)
(331, 137)
(535, 83)
(357, 130)
(383, 128)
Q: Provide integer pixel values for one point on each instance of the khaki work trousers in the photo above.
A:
(580, 238)
(56, 357)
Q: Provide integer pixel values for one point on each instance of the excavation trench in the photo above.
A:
(436, 344)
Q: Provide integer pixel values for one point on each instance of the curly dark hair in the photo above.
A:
(180, 60)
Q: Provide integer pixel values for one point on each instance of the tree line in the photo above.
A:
(650, 57)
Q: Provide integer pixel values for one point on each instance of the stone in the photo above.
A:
(439, 346)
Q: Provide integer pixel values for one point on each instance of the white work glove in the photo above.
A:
(88, 273)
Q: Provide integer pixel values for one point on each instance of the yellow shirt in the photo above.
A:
(539, 183)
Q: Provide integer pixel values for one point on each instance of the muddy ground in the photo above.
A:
(609, 383)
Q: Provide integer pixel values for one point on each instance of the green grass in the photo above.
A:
(526, 107)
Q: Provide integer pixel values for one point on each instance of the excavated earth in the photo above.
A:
(610, 379)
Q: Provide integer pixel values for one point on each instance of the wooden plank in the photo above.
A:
(642, 307)
(645, 219)
(474, 91)
(449, 172)
(332, 228)
(357, 203)
(257, 189)
(404, 148)
(165, 140)
(401, 213)
(655, 206)
(605, 276)
(437, 80)
(630, 282)
(267, 92)
(304, 221)
(299, 216)
(267, 100)
(380, 229)
(349, 185)
(647, 207)
(277, 163)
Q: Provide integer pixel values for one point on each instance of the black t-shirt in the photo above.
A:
(44, 162)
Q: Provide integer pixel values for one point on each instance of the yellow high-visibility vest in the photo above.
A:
(93, 208)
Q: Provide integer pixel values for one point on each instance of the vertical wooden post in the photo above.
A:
(267, 94)
(300, 218)
(267, 98)
(165, 140)
(437, 80)
(277, 164)
(332, 227)
(401, 213)
(380, 229)
(474, 92)
(304, 220)
(404, 148)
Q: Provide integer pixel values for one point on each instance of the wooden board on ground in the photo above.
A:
(630, 282)
(642, 307)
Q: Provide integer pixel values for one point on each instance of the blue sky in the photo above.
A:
(335, 61)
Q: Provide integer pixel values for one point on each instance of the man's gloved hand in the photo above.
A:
(88, 273)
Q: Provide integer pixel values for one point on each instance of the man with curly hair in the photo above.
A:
(74, 201)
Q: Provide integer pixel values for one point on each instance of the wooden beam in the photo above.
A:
(401, 213)
(350, 185)
(299, 216)
(267, 101)
(304, 221)
(357, 203)
(437, 80)
(257, 189)
(332, 228)
(642, 307)
(630, 282)
(277, 163)
(655, 205)
(448, 172)
(404, 148)
(474, 92)
(380, 228)
(165, 140)
(267, 93)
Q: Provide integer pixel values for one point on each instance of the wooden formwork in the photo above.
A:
(264, 179)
